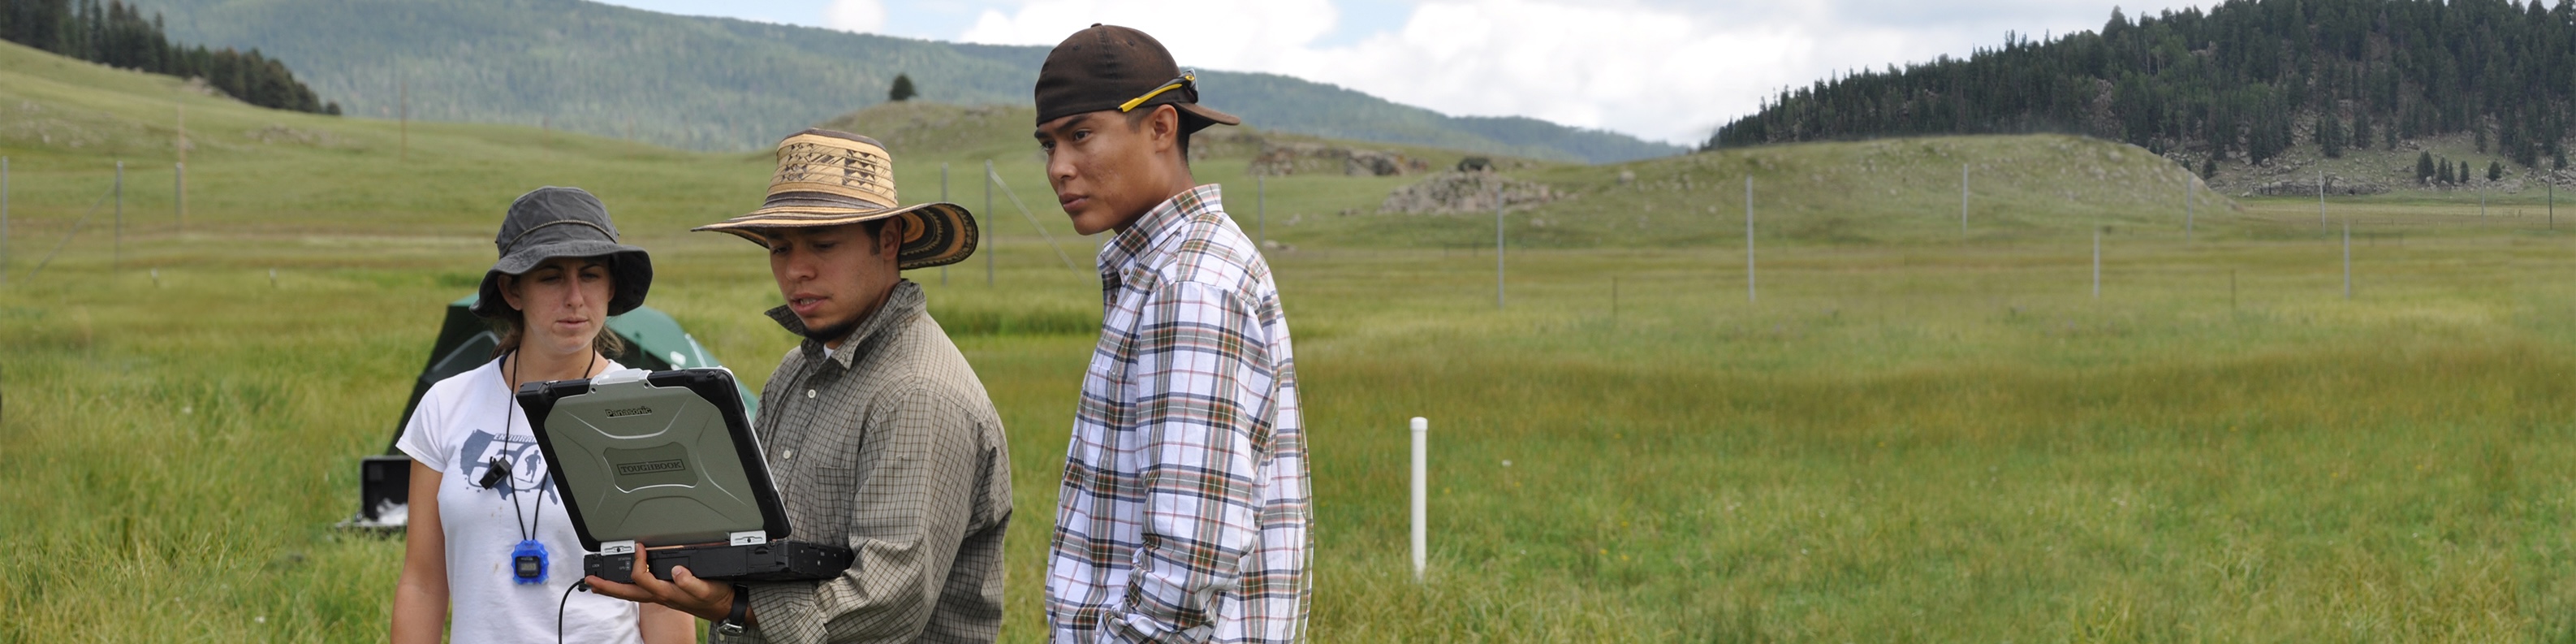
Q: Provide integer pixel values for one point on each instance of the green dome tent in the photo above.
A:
(654, 342)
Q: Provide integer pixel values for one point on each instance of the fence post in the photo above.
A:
(1421, 495)
(116, 258)
(403, 153)
(4, 220)
(988, 207)
(182, 168)
(179, 192)
(943, 197)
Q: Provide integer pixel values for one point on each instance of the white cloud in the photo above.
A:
(862, 16)
(1208, 34)
(1666, 71)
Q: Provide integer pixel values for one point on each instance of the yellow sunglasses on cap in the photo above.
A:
(1187, 79)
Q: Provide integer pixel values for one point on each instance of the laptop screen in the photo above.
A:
(663, 458)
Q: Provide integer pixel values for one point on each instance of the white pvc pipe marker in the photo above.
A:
(1421, 494)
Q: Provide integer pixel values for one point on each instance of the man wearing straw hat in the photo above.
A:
(1184, 510)
(875, 428)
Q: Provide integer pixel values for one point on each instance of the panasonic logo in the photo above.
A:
(632, 411)
(650, 467)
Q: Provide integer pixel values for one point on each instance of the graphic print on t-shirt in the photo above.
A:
(527, 463)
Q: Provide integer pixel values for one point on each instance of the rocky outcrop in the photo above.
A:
(2335, 186)
(1282, 159)
(1465, 192)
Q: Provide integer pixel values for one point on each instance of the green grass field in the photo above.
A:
(1912, 435)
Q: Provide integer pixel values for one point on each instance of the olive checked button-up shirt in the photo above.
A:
(890, 446)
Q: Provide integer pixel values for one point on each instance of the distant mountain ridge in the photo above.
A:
(615, 71)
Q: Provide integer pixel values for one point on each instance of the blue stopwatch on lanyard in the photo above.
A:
(528, 560)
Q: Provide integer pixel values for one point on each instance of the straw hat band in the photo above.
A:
(821, 200)
(834, 166)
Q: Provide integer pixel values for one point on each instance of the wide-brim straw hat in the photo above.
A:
(828, 178)
(553, 222)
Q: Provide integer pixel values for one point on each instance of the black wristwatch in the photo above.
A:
(733, 621)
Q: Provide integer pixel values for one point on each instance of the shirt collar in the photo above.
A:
(906, 300)
(1149, 229)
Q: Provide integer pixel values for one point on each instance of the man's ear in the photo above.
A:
(1165, 126)
(889, 239)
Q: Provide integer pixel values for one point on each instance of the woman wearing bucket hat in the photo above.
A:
(487, 537)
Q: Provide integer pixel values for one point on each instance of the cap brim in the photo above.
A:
(938, 233)
(1208, 114)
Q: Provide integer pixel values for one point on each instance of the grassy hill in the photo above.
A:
(1902, 191)
(724, 84)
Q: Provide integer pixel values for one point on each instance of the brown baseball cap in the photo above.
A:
(1107, 67)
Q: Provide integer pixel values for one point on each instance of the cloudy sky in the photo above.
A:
(1668, 70)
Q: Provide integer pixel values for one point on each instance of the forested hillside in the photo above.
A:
(117, 35)
(723, 84)
(2244, 81)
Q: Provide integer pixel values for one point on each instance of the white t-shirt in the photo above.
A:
(457, 430)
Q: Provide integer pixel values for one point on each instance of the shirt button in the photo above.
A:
(791, 455)
(809, 394)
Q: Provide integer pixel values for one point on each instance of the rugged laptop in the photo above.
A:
(667, 460)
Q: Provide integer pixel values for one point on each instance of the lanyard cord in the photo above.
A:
(509, 412)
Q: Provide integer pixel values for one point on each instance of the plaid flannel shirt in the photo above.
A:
(1184, 511)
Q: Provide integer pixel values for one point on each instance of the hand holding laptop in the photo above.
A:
(685, 592)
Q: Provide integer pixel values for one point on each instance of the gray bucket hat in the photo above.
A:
(553, 222)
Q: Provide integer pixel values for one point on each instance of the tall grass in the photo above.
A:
(1893, 445)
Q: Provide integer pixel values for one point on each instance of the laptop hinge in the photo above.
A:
(617, 547)
(749, 538)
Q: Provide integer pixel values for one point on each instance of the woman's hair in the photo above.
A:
(510, 332)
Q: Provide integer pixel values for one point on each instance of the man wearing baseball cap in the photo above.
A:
(1184, 510)
(877, 433)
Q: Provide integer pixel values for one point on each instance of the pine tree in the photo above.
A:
(2424, 167)
(2361, 129)
(2495, 171)
(116, 34)
(2445, 176)
(2329, 136)
(902, 90)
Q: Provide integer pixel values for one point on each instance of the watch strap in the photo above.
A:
(734, 617)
